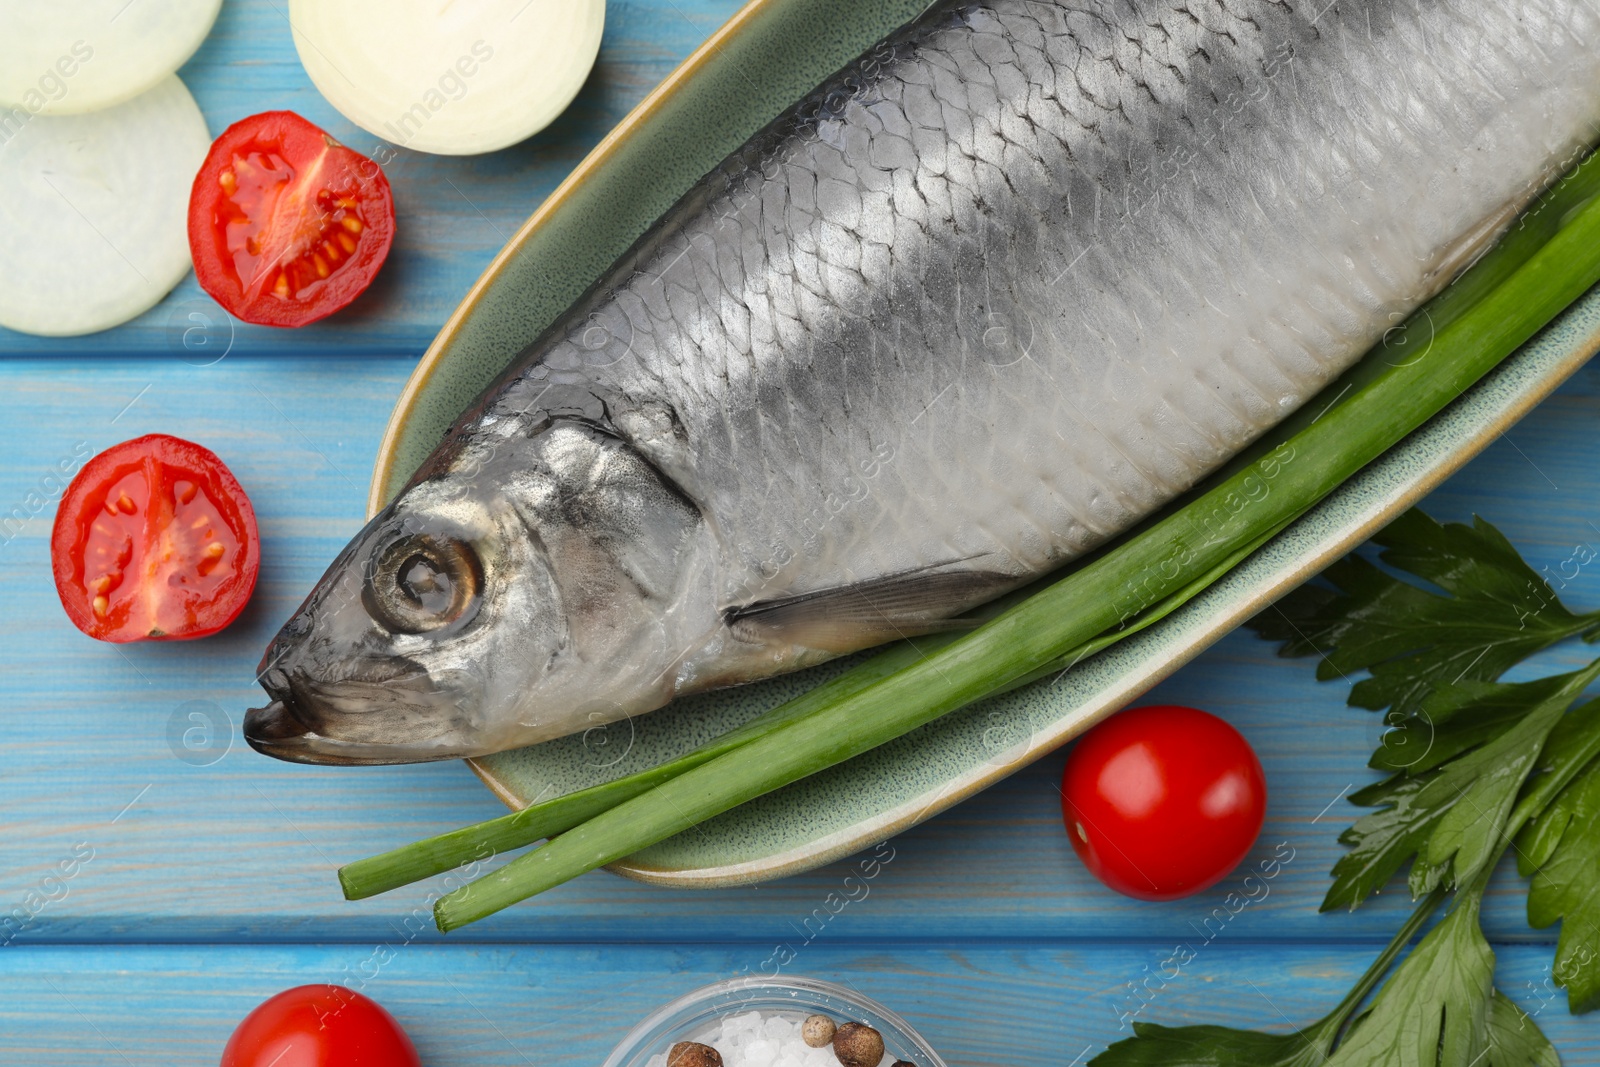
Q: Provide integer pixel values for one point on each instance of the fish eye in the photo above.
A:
(421, 583)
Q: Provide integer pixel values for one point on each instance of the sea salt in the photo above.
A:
(763, 1039)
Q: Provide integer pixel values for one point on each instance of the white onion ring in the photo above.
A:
(448, 78)
(69, 57)
(94, 211)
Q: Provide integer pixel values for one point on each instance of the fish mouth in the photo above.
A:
(353, 722)
(277, 731)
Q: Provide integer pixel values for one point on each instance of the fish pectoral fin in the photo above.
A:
(851, 617)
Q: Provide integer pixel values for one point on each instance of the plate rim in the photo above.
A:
(906, 815)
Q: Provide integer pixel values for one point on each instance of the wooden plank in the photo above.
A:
(1027, 1005)
(245, 847)
(453, 213)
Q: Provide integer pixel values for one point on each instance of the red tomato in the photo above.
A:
(319, 1026)
(286, 225)
(1162, 801)
(154, 539)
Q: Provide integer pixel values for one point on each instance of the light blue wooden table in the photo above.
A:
(211, 884)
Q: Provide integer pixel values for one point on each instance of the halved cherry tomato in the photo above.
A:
(1163, 801)
(319, 1026)
(286, 225)
(154, 540)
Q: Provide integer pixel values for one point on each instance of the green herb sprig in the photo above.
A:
(1476, 766)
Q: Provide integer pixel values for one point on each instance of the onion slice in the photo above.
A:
(93, 209)
(448, 78)
(68, 57)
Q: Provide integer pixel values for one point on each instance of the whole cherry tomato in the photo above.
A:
(287, 225)
(319, 1026)
(154, 540)
(1162, 801)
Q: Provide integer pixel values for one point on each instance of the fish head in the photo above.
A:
(518, 595)
(392, 655)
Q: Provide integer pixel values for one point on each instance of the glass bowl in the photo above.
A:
(690, 1015)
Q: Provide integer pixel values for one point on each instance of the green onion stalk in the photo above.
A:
(1548, 260)
(410, 863)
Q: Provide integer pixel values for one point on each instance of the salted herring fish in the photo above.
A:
(1005, 284)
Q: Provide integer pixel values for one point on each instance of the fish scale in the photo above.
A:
(1156, 342)
(997, 290)
(791, 205)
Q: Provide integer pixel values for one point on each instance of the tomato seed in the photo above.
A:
(210, 558)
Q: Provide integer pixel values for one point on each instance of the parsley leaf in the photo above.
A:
(1494, 612)
(1572, 746)
(1453, 719)
(1461, 743)
(1435, 1008)
(1450, 817)
(1381, 841)
(1481, 786)
(1223, 1046)
(1471, 761)
(1566, 840)
(1438, 1008)
(1216, 1046)
(1514, 1040)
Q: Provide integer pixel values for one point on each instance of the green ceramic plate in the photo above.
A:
(767, 56)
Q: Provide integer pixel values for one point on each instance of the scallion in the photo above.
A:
(421, 859)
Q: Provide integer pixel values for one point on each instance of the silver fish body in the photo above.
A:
(1003, 286)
